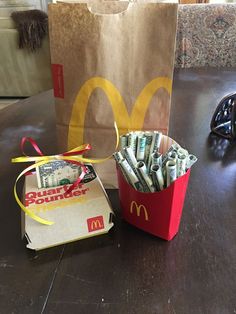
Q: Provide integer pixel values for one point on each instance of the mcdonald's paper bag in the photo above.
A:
(111, 61)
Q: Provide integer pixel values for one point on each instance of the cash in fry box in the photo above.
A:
(158, 213)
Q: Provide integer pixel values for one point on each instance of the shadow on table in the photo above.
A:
(220, 148)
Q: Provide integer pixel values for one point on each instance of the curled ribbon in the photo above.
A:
(72, 156)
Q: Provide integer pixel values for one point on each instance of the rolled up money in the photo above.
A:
(153, 170)
(130, 157)
(141, 144)
(131, 176)
(182, 151)
(157, 177)
(142, 170)
(123, 141)
(149, 136)
(156, 142)
(132, 141)
(173, 156)
(191, 160)
(173, 148)
(181, 165)
(156, 159)
(171, 172)
(118, 156)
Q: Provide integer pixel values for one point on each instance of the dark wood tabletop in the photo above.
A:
(128, 270)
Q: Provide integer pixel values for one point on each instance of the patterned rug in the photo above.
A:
(206, 35)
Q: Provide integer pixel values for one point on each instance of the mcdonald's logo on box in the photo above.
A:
(138, 209)
(95, 223)
(158, 213)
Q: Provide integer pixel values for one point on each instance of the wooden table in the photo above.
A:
(129, 271)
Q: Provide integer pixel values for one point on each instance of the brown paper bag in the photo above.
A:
(111, 61)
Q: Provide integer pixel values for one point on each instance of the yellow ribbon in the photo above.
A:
(41, 160)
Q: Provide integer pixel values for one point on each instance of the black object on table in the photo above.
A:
(223, 122)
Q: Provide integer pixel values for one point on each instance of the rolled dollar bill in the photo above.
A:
(182, 151)
(156, 159)
(169, 155)
(130, 175)
(141, 144)
(181, 165)
(123, 141)
(148, 136)
(118, 156)
(176, 146)
(142, 170)
(173, 148)
(132, 141)
(173, 156)
(157, 177)
(130, 157)
(191, 160)
(144, 167)
(171, 172)
(156, 142)
(121, 168)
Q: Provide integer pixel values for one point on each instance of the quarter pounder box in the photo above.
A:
(82, 213)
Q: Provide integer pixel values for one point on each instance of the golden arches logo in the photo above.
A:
(96, 224)
(138, 209)
(123, 120)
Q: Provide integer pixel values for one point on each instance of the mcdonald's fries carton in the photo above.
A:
(158, 213)
(82, 213)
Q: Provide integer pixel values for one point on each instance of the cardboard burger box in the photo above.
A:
(82, 213)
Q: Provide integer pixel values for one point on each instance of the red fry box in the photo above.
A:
(158, 213)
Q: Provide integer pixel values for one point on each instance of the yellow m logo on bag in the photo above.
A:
(123, 120)
(138, 208)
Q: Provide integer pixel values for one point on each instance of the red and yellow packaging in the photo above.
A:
(158, 213)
